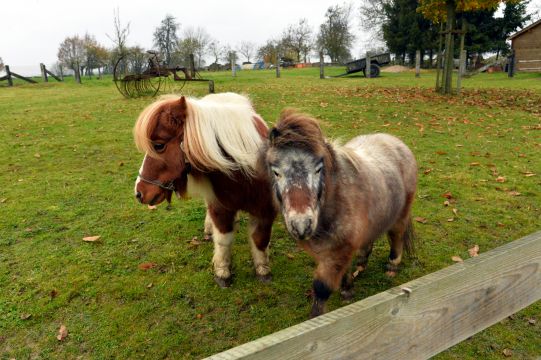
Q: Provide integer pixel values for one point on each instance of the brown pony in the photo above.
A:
(209, 147)
(336, 200)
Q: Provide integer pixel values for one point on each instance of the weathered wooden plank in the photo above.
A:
(438, 311)
(23, 78)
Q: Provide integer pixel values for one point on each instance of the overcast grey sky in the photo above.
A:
(31, 30)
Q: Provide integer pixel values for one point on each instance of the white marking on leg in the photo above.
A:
(208, 224)
(222, 253)
(261, 258)
(396, 261)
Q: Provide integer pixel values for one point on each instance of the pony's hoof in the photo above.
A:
(346, 295)
(390, 273)
(223, 282)
(265, 278)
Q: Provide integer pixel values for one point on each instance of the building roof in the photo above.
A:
(529, 27)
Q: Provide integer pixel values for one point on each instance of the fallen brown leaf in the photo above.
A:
(152, 207)
(150, 285)
(427, 171)
(62, 333)
(441, 152)
(455, 211)
(290, 256)
(507, 352)
(475, 164)
(199, 316)
(53, 293)
(25, 316)
(91, 238)
(421, 220)
(500, 179)
(37, 155)
(146, 266)
(446, 203)
(194, 241)
(531, 321)
(514, 193)
(3, 200)
(457, 259)
(450, 219)
(500, 224)
(447, 195)
(474, 251)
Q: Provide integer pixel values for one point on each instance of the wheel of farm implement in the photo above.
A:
(132, 83)
(374, 70)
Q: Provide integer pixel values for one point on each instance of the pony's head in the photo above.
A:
(159, 133)
(217, 133)
(298, 160)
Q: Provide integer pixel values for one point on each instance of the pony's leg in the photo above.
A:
(346, 287)
(208, 225)
(328, 275)
(259, 232)
(400, 235)
(222, 230)
(363, 255)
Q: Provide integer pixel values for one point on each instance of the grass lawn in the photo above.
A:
(68, 168)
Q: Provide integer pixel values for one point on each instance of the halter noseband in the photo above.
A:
(170, 185)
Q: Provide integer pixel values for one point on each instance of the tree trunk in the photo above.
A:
(430, 56)
(449, 42)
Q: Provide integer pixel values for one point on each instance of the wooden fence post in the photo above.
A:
(211, 86)
(277, 64)
(367, 68)
(321, 65)
(438, 60)
(192, 66)
(233, 63)
(418, 63)
(462, 58)
(43, 73)
(8, 74)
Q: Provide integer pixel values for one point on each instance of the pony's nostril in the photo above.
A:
(139, 196)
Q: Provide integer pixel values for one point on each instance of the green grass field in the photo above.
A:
(68, 168)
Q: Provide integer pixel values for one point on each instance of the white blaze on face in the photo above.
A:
(138, 180)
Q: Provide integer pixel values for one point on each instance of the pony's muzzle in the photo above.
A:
(301, 228)
(139, 196)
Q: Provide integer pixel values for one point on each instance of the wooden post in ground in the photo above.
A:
(233, 60)
(418, 63)
(321, 65)
(43, 73)
(367, 68)
(438, 60)
(8, 74)
(449, 48)
(211, 86)
(418, 319)
(462, 58)
(277, 64)
(192, 67)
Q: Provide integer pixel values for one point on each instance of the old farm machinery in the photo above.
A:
(148, 77)
(376, 61)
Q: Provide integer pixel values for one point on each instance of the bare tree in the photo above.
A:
(136, 59)
(120, 35)
(372, 16)
(72, 54)
(165, 37)
(335, 37)
(269, 51)
(298, 39)
(96, 55)
(194, 41)
(247, 49)
(216, 50)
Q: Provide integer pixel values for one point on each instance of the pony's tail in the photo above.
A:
(409, 238)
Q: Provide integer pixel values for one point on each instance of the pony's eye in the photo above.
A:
(276, 173)
(318, 170)
(158, 147)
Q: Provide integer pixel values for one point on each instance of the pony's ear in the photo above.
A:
(273, 134)
(179, 110)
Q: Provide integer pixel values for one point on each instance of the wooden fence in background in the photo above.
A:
(418, 319)
(10, 75)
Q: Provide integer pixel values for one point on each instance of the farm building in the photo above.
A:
(526, 44)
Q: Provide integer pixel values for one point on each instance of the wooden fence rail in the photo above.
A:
(418, 319)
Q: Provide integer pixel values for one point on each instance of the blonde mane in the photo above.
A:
(219, 132)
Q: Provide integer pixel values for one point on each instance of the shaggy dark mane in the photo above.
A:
(295, 129)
